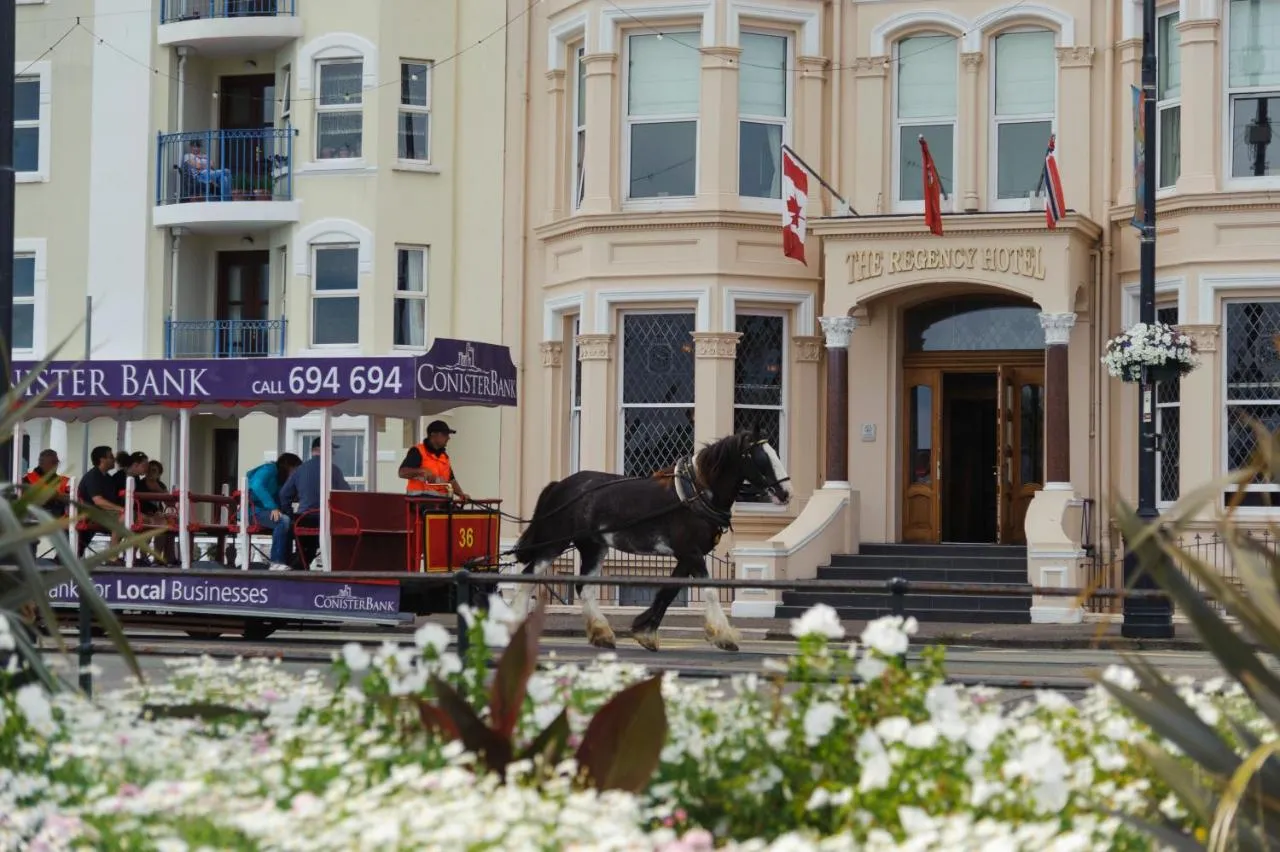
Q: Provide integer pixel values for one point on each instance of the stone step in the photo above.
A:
(877, 560)
(936, 616)
(991, 551)
(871, 600)
(940, 574)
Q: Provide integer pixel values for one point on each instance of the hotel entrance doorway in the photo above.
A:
(972, 420)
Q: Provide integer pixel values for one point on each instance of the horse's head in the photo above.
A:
(762, 468)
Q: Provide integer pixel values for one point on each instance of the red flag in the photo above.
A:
(1054, 203)
(795, 196)
(932, 191)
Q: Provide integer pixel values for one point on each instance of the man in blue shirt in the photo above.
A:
(266, 508)
(303, 488)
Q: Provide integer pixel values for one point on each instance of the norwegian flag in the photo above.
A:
(1054, 205)
(795, 195)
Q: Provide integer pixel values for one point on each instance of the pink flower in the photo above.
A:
(128, 790)
(699, 839)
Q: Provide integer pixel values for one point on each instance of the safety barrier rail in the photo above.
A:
(224, 165)
(172, 11)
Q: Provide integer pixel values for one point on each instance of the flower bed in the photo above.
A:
(902, 761)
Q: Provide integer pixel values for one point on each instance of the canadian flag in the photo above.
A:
(795, 195)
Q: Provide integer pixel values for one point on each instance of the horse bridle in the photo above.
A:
(756, 477)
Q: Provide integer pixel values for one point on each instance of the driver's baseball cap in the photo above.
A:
(440, 426)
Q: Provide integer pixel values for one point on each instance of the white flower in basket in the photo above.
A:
(1169, 353)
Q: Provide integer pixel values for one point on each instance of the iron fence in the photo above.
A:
(225, 165)
(619, 564)
(173, 11)
(224, 338)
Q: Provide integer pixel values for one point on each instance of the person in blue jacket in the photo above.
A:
(266, 508)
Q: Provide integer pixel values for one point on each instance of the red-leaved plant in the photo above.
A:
(620, 749)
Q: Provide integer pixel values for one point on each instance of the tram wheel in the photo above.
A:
(258, 631)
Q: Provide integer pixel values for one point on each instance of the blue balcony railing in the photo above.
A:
(224, 338)
(172, 11)
(225, 165)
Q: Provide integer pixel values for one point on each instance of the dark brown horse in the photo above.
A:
(680, 511)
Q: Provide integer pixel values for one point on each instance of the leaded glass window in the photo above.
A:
(1253, 376)
(575, 403)
(759, 375)
(657, 390)
(1168, 425)
(973, 324)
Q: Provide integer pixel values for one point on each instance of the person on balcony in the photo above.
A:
(268, 510)
(197, 162)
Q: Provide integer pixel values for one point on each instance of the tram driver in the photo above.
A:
(427, 466)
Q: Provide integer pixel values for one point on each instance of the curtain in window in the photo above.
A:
(1169, 68)
(1254, 39)
(340, 83)
(411, 313)
(762, 76)
(927, 77)
(1025, 73)
(664, 74)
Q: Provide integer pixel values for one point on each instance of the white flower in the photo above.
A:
(433, 636)
(496, 634)
(819, 619)
(7, 642)
(35, 706)
(355, 656)
(869, 668)
(1121, 676)
(889, 634)
(893, 729)
(819, 719)
(922, 736)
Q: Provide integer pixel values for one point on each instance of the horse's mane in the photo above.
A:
(713, 457)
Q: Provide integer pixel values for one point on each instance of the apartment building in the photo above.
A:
(258, 179)
(646, 231)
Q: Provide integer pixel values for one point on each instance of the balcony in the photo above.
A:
(225, 181)
(224, 27)
(224, 338)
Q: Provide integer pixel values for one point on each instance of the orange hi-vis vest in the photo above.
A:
(35, 476)
(436, 465)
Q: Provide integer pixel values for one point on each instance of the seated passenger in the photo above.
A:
(268, 510)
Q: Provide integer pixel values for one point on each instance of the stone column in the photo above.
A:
(802, 419)
(602, 136)
(1057, 399)
(871, 95)
(968, 146)
(1074, 125)
(556, 150)
(553, 409)
(715, 353)
(1201, 96)
(1197, 423)
(838, 331)
(718, 128)
(595, 351)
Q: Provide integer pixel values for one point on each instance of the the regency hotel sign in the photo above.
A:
(866, 264)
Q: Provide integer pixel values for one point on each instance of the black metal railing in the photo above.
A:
(224, 338)
(224, 165)
(619, 564)
(173, 11)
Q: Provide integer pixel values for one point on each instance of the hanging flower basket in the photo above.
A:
(1166, 353)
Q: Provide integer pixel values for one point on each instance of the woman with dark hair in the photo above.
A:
(265, 507)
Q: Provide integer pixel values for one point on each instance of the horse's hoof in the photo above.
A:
(602, 640)
(723, 641)
(647, 640)
(726, 644)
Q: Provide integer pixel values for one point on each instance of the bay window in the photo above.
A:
(762, 114)
(1253, 85)
(26, 124)
(575, 402)
(663, 93)
(925, 97)
(340, 109)
(1025, 103)
(335, 296)
(1168, 100)
(579, 128)
(413, 131)
(22, 335)
(657, 390)
(411, 297)
(759, 391)
(1252, 384)
(1168, 425)
(349, 454)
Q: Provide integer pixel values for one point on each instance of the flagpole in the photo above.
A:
(1047, 152)
(818, 178)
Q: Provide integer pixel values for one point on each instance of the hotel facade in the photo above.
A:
(345, 208)
(921, 389)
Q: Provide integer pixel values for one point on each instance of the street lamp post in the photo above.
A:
(1150, 618)
(8, 33)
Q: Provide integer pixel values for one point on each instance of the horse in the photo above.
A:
(681, 511)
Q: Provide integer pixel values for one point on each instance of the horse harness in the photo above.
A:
(685, 476)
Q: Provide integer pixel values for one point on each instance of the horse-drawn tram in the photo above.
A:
(219, 589)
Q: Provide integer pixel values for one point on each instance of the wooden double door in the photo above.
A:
(972, 447)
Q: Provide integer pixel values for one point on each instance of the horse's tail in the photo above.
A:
(525, 549)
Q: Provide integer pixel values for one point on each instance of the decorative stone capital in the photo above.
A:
(808, 349)
(1057, 328)
(552, 353)
(1205, 336)
(555, 80)
(720, 56)
(871, 66)
(716, 344)
(595, 347)
(595, 64)
(1080, 56)
(1198, 30)
(971, 61)
(812, 67)
(838, 331)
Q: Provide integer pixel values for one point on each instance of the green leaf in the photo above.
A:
(474, 733)
(35, 661)
(511, 682)
(23, 592)
(1200, 742)
(550, 744)
(204, 711)
(1167, 835)
(623, 742)
(1194, 796)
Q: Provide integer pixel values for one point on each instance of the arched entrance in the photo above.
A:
(972, 418)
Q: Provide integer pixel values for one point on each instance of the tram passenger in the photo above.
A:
(98, 489)
(427, 466)
(157, 513)
(303, 488)
(266, 508)
(47, 467)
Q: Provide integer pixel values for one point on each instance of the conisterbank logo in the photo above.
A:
(345, 599)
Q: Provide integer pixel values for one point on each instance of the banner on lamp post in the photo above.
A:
(1139, 159)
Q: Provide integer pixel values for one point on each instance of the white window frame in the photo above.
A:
(1167, 103)
(404, 108)
(1227, 405)
(1161, 408)
(314, 294)
(285, 99)
(578, 144)
(1230, 182)
(575, 408)
(674, 202)
(994, 202)
(620, 426)
(948, 203)
(36, 248)
(334, 109)
(303, 437)
(784, 438)
(43, 71)
(408, 296)
(751, 202)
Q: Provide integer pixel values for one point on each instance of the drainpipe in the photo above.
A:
(175, 235)
(182, 84)
(1102, 289)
